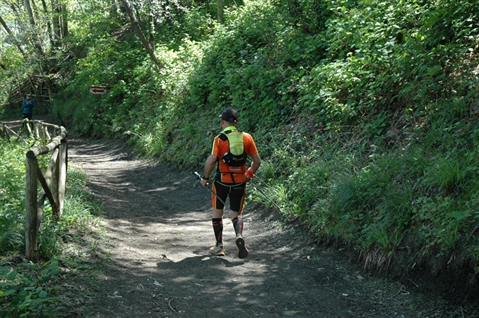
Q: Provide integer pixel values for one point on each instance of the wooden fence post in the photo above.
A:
(5, 132)
(55, 178)
(29, 128)
(32, 221)
(62, 175)
(36, 130)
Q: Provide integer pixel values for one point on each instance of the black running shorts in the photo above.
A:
(235, 192)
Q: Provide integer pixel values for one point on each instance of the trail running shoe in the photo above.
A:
(242, 250)
(217, 250)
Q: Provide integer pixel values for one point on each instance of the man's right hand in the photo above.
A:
(249, 174)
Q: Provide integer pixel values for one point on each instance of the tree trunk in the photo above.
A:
(49, 26)
(221, 18)
(57, 34)
(139, 33)
(64, 11)
(36, 39)
(28, 7)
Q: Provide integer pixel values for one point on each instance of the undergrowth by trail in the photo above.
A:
(33, 289)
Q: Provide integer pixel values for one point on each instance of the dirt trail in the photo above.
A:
(155, 260)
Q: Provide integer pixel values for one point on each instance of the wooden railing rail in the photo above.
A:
(53, 183)
(37, 129)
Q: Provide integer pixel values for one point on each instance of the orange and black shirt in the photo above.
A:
(229, 174)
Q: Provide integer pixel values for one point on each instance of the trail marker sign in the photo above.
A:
(98, 89)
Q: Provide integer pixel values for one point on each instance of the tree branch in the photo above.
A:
(139, 33)
(7, 29)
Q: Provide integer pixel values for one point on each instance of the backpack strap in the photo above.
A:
(223, 136)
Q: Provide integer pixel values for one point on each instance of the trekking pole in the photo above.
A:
(259, 190)
(201, 178)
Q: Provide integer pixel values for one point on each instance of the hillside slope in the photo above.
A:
(154, 260)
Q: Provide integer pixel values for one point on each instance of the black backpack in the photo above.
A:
(236, 156)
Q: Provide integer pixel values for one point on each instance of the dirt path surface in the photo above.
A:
(155, 260)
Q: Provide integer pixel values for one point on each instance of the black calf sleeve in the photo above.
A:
(238, 225)
(218, 229)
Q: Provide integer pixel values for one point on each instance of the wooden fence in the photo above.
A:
(53, 182)
(34, 128)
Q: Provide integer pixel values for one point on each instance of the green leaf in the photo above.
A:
(461, 215)
(12, 275)
(8, 292)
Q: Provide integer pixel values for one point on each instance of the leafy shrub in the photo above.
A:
(28, 291)
(12, 197)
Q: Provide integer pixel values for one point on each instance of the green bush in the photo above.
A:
(12, 197)
(28, 291)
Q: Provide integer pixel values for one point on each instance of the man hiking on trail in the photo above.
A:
(230, 150)
(27, 106)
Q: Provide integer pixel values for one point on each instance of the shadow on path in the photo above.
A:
(155, 260)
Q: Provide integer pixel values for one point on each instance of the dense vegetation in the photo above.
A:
(33, 288)
(364, 111)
